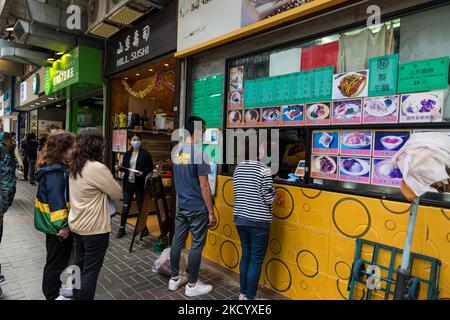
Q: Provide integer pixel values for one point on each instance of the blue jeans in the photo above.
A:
(254, 243)
(197, 223)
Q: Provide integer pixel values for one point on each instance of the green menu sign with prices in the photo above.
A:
(383, 75)
(207, 100)
(81, 65)
(425, 75)
(301, 87)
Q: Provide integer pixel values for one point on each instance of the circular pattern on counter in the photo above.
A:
(306, 207)
(365, 210)
(290, 205)
(286, 268)
(344, 265)
(390, 225)
(212, 239)
(227, 230)
(230, 265)
(304, 285)
(393, 211)
(306, 253)
(309, 196)
(223, 192)
(275, 246)
(217, 215)
(343, 296)
(448, 237)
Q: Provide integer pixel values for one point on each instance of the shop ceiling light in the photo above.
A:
(166, 64)
(60, 53)
(10, 28)
(104, 30)
(51, 59)
(151, 70)
(125, 15)
(138, 74)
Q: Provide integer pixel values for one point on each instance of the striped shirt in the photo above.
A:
(253, 193)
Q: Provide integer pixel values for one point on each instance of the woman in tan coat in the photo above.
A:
(91, 186)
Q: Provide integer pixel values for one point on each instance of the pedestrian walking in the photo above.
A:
(253, 197)
(52, 209)
(13, 150)
(26, 166)
(195, 209)
(31, 155)
(137, 165)
(92, 186)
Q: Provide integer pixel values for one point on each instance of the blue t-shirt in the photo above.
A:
(188, 165)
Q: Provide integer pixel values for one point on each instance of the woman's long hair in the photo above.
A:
(7, 141)
(55, 148)
(89, 146)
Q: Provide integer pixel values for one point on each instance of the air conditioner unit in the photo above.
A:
(97, 10)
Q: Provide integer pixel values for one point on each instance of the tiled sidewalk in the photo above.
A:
(124, 275)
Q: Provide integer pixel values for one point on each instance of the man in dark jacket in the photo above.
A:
(31, 155)
(7, 185)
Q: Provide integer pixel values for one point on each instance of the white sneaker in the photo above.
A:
(66, 292)
(242, 297)
(174, 285)
(63, 298)
(198, 290)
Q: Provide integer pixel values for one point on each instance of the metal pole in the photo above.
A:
(409, 236)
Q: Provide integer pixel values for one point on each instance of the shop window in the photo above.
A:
(262, 95)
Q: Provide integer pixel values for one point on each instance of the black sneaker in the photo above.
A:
(121, 233)
(33, 183)
(2, 278)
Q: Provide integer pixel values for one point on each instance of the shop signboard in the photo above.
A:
(151, 38)
(424, 75)
(383, 75)
(36, 84)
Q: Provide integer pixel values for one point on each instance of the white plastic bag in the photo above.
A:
(162, 264)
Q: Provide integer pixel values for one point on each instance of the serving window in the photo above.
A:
(346, 103)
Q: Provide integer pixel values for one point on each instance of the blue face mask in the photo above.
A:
(136, 144)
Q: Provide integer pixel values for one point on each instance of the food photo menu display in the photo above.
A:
(347, 112)
(356, 143)
(381, 110)
(318, 114)
(354, 169)
(293, 115)
(385, 173)
(252, 118)
(324, 167)
(236, 90)
(422, 107)
(388, 142)
(326, 142)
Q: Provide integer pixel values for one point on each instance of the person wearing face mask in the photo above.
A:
(137, 164)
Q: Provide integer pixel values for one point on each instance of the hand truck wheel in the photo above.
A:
(359, 270)
(413, 289)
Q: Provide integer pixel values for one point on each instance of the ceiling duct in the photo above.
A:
(107, 17)
(41, 36)
(24, 56)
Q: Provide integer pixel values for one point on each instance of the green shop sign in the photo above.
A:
(424, 75)
(36, 84)
(383, 75)
(81, 65)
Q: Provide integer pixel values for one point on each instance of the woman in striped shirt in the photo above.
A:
(254, 194)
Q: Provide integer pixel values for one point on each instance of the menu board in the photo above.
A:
(388, 142)
(383, 75)
(381, 109)
(356, 143)
(236, 90)
(351, 85)
(235, 119)
(424, 75)
(385, 173)
(347, 112)
(318, 114)
(326, 142)
(293, 115)
(324, 167)
(271, 117)
(422, 107)
(252, 118)
(295, 88)
(353, 169)
(207, 100)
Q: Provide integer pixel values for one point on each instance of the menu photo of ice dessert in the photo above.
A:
(381, 109)
(385, 173)
(235, 118)
(236, 90)
(252, 118)
(356, 143)
(318, 114)
(293, 115)
(347, 112)
(326, 142)
(354, 169)
(422, 107)
(324, 167)
(388, 142)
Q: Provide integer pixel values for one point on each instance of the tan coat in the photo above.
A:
(89, 213)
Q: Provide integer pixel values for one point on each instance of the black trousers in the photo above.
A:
(31, 169)
(26, 168)
(58, 256)
(90, 252)
(129, 191)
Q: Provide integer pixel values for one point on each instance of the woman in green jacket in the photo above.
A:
(52, 209)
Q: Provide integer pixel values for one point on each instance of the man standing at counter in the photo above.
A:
(195, 206)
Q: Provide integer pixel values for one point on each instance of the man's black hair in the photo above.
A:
(190, 124)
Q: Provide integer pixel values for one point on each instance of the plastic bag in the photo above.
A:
(162, 264)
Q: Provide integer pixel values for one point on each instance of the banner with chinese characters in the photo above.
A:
(207, 100)
(424, 75)
(383, 75)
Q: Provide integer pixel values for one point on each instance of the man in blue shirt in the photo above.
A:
(195, 206)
